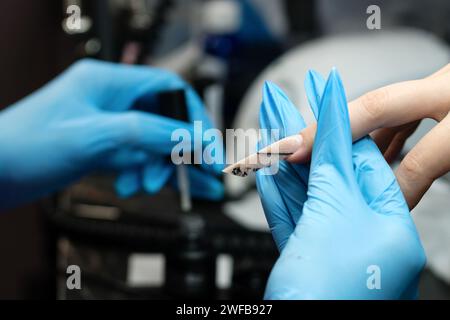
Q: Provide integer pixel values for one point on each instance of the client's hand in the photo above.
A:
(391, 114)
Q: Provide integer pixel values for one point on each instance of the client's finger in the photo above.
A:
(391, 106)
(396, 146)
(390, 141)
(427, 161)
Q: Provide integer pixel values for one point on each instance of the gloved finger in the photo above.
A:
(278, 218)
(277, 214)
(331, 169)
(213, 162)
(391, 106)
(202, 184)
(150, 176)
(128, 182)
(412, 292)
(154, 132)
(375, 178)
(156, 174)
(124, 158)
(314, 86)
(332, 150)
(116, 87)
(427, 161)
(278, 112)
(282, 196)
(112, 132)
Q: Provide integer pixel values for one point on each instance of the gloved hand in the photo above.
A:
(343, 231)
(81, 122)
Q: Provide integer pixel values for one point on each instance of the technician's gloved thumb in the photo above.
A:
(332, 151)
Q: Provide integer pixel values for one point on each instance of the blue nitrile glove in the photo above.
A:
(345, 231)
(81, 122)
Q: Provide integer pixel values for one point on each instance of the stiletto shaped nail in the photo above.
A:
(267, 156)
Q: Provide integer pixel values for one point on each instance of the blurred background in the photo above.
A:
(143, 247)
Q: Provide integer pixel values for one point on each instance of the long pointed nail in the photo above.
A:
(267, 156)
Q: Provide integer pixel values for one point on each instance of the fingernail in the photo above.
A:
(280, 150)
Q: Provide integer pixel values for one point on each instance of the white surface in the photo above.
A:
(146, 270)
(247, 211)
(221, 16)
(224, 271)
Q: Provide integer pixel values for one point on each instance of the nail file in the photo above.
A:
(266, 157)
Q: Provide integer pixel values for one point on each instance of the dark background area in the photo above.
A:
(33, 51)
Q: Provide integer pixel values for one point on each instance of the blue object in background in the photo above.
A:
(249, 30)
(253, 27)
(344, 231)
